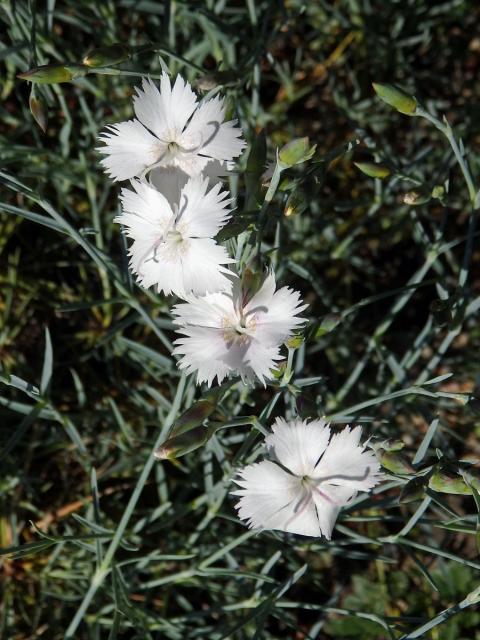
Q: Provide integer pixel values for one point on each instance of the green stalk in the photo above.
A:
(447, 131)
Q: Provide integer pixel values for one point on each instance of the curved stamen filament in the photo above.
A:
(299, 508)
(325, 496)
(160, 240)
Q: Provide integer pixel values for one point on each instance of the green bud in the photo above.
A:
(279, 370)
(180, 445)
(294, 342)
(107, 56)
(373, 170)
(444, 482)
(396, 463)
(392, 445)
(54, 73)
(396, 98)
(296, 203)
(413, 490)
(415, 198)
(251, 284)
(295, 152)
(328, 324)
(438, 192)
(193, 417)
(38, 109)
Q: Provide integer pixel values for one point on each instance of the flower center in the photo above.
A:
(239, 329)
(174, 237)
(175, 244)
(312, 485)
(173, 147)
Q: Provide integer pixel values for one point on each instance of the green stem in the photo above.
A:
(447, 131)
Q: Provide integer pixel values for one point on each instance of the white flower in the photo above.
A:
(172, 245)
(319, 475)
(171, 129)
(225, 333)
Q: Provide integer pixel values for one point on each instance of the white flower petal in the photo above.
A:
(147, 203)
(275, 312)
(166, 111)
(201, 267)
(298, 444)
(329, 500)
(164, 253)
(245, 358)
(191, 163)
(346, 463)
(300, 502)
(202, 351)
(326, 516)
(172, 130)
(195, 270)
(273, 499)
(206, 311)
(263, 297)
(219, 140)
(262, 360)
(204, 213)
(277, 323)
(248, 352)
(129, 149)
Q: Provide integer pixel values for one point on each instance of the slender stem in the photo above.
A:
(447, 131)
(101, 573)
(262, 219)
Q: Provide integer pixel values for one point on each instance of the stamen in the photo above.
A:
(216, 129)
(325, 496)
(162, 238)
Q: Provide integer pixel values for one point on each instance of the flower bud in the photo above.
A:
(54, 73)
(38, 109)
(373, 170)
(294, 342)
(193, 417)
(251, 284)
(438, 192)
(415, 198)
(295, 152)
(392, 445)
(396, 98)
(184, 443)
(396, 462)
(297, 202)
(413, 490)
(444, 482)
(107, 56)
(328, 324)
